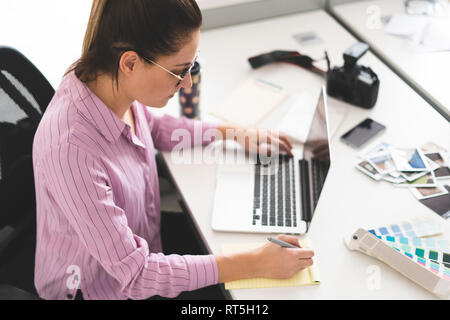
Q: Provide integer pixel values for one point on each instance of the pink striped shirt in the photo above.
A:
(98, 209)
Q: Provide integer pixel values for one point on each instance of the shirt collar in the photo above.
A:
(94, 110)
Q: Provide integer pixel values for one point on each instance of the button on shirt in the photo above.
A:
(98, 209)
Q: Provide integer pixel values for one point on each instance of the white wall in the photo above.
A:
(48, 32)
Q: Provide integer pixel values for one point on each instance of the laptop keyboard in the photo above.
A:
(274, 200)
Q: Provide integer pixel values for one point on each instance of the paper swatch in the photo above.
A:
(416, 228)
(427, 243)
(250, 103)
(307, 276)
(440, 269)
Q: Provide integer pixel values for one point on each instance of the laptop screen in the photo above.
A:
(316, 151)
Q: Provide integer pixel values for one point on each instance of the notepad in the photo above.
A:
(250, 103)
(309, 276)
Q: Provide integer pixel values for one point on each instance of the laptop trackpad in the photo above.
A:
(234, 195)
(237, 181)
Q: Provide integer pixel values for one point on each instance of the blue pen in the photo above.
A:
(282, 243)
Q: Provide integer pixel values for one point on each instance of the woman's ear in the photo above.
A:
(128, 62)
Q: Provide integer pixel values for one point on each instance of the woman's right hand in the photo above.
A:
(268, 261)
(276, 262)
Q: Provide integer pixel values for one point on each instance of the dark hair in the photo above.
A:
(153, 28)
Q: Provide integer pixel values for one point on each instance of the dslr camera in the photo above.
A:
(354, 83)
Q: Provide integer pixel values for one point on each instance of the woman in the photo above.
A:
(98, 218)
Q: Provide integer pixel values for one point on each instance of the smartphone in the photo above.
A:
(362, 133)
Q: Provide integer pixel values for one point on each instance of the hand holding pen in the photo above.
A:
(283, 257)
(280, 258)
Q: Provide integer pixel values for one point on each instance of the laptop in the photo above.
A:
(277, 196)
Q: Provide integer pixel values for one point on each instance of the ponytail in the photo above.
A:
(153, 27)
(98, 6)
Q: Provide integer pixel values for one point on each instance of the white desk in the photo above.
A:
(349, 199)
(426, 71)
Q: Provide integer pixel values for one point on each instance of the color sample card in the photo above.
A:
(442, 173)
(368, 169)
(411, 229)
(433, 254)
(382, 162)
(426, 181)
(427, 193)
(432, 147)
(426, 243)
(431, 265)
(409, 159)
(437, 158)
(439, 204)
(436, 256)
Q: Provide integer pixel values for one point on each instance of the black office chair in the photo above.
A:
(24, 95)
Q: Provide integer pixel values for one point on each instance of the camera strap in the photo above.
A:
(292, 57)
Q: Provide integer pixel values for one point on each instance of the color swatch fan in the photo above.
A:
(402, 246)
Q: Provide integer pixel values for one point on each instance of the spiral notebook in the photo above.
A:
(309, 276)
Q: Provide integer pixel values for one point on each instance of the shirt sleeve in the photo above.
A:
(81, 191)
(168, 132)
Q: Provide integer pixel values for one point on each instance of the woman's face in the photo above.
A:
(153, 86)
